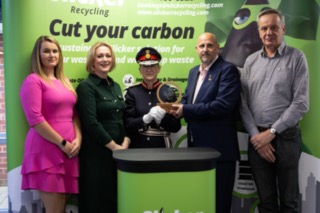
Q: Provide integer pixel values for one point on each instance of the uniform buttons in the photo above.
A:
(149, 103)
(148, 138)
(149, 93)
(115, 100)
(117, 110)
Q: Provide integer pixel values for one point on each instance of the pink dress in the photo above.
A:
(45, 166)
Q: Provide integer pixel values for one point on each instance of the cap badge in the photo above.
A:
(148, 54)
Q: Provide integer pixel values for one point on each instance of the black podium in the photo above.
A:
(166, 180)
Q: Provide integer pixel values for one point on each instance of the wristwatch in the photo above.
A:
(63, 142)
(273, 130)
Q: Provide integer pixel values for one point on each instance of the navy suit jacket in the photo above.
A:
(212, 117)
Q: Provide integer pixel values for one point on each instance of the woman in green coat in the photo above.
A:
(101, 107)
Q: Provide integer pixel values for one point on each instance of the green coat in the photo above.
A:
(101, 110)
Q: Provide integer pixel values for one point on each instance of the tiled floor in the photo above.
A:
(3, 199)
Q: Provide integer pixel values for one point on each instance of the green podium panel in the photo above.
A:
(178, 180)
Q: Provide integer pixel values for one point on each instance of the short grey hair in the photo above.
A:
(272, 11)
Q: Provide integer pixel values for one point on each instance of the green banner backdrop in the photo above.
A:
(172, 27)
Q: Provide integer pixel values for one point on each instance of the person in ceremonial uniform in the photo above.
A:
(148, 125)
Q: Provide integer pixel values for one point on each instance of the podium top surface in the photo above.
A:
(166, 160)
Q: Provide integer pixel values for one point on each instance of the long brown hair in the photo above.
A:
(37, 66)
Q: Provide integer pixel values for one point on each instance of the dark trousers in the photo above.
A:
(97, 184)
(225, 175)
(278, 183)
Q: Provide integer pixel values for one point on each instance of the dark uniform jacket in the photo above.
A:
(139, 100)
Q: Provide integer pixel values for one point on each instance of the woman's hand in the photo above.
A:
(76, 147)
(114, 146)
(66, 148)
(126, 142)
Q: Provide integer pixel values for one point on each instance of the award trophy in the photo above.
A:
(168, 93)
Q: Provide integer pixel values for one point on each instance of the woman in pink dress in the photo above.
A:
(48, 98)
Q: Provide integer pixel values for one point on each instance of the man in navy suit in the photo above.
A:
(209, 106)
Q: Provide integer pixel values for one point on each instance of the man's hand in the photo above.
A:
(178, 110)
(262, 144)
(267, 153)
(262, 139)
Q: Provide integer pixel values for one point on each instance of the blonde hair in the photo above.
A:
(92, 54)
(37, 66)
